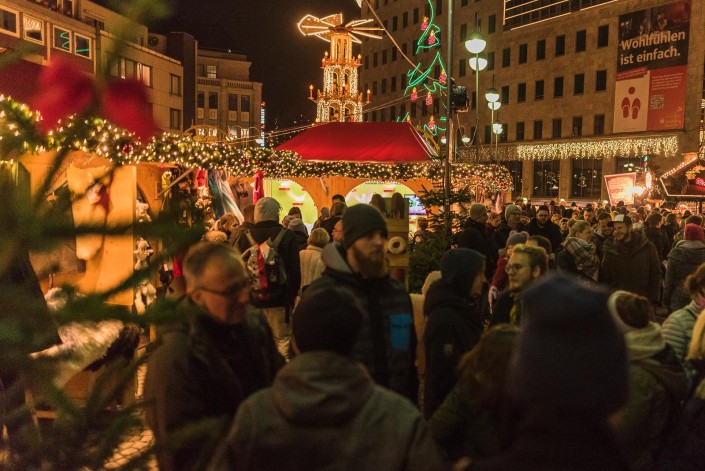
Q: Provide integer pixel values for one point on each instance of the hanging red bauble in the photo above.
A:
(442, 78)
(414, 95)
(429, 99)
(424, 23)
(432, 38)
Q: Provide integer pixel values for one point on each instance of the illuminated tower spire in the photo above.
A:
(340, 99)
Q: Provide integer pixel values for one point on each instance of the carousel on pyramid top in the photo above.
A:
(340, 99)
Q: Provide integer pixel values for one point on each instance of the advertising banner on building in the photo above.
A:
(620, 187)
(652, 63)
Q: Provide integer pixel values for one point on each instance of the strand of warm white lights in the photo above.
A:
(666, 146)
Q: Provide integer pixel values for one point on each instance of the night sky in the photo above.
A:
(284, 60)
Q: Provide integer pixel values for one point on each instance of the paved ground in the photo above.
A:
(131, 448)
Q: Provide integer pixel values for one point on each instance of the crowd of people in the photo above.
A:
(543, 342)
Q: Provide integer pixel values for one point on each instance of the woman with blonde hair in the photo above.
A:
(579, 255)
(311, 265)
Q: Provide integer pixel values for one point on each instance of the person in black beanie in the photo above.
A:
(454, 321)
(323, 410)
(387, 341)
(569, 376)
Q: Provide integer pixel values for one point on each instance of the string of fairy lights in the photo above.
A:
(609, 148)
(18, 135)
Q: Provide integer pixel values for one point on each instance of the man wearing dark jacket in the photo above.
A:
(454, 322)
(630, 261)
(387, 343)
(277, 311)
(512, 222)
(208, 362)
(474, 236)
(541, 225)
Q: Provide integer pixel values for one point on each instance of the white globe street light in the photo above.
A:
(492, 95)
(478, 62)
(494, 105)
(476, 44)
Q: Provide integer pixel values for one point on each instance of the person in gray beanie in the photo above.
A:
(323, 410)
(568, 377)
(387, 342)
(454, 321)
(512, 222)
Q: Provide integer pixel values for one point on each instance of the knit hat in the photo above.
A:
(629, 311)
(361, 220)
(327, 318)
(510, 209)
(459, 267)
(516, 238)
(571, 358)
(694, 232)
(267, 209)
(477, 210)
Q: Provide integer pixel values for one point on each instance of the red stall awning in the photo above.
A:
(360, 142)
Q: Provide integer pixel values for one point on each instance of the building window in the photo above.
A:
(505, 95)
(463, 3)
(599, 126)
(404, 49)
(547, 174)
(384, 85)
(82, 46)
(523, 53)
(213, 100)
(505, 131)
(492, 24)
(556, 128)
(490, 61)
(579, 86)
(374, 116)
(538, 129)
(488, 134)
(174, 118)
(144, 73)
(439, 7)
(382, 115)
(245, 103)
(580, 40)
(412, 107)
(577, 126)
(384, 56)
(506, 57)
(33, 28)
(62, 39)
(200, 100)
(375, 59)
(175, 84)
(403, 81)
(462, 67)
(538, 95)
(521, 93)
(520, 131)
(540, 49)
(515, 167)
(405, 19)
(586, 178)
(558, 87)
(473, 100)
(392, 113)
(560, 45)
(393, 84)
(463, 32)
(416, 15)
(394, 53)
(402, 111)
(8, 22)
(603, 36)
(374, 87)
(395, 23)
(601, 81)
(128, 68)
(211, 71)
(367, 62)
(232, 102)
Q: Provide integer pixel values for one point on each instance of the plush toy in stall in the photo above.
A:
(142, 253)
(145, 295)
(142, 212)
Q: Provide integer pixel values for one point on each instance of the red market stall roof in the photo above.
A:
(19, 80)
(360, 142)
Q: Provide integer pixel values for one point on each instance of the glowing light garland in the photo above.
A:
(18, 136)
(666, 146)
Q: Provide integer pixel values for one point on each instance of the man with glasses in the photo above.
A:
(512, 216)
(218, 353)
(525, 265)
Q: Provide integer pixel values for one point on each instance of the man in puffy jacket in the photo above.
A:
(541, 225)
(324, 410)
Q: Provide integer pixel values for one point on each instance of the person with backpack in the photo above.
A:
(658, 383)
(271, 255)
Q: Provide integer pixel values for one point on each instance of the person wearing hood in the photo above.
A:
(683, 260)
(658, 383)
(299, 228)
(630, 261)
(324, 410)
(387, 342)
(454, 321)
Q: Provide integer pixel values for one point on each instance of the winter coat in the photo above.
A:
(453, 327)
(500, 236)
(581, 258)
(660, 240)
(550, 231)
(329, 224)
(463, 427)
(386, 344)
(474, 237)
(507, 310)
(288, 251)
(311, 269)
(686, 450)
(658, 384)
(677, 330)
(548, 443)
(633, 266)
(683, 260)
(203, 369)
(324, 412)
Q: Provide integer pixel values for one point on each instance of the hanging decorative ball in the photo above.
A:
(442, 78)
(429, 99)
(432, 124)
(432, 38)
(424, 23)
(414, 95)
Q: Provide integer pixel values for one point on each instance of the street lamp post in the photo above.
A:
(449, 122)
(475, 45)
(492, 97)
